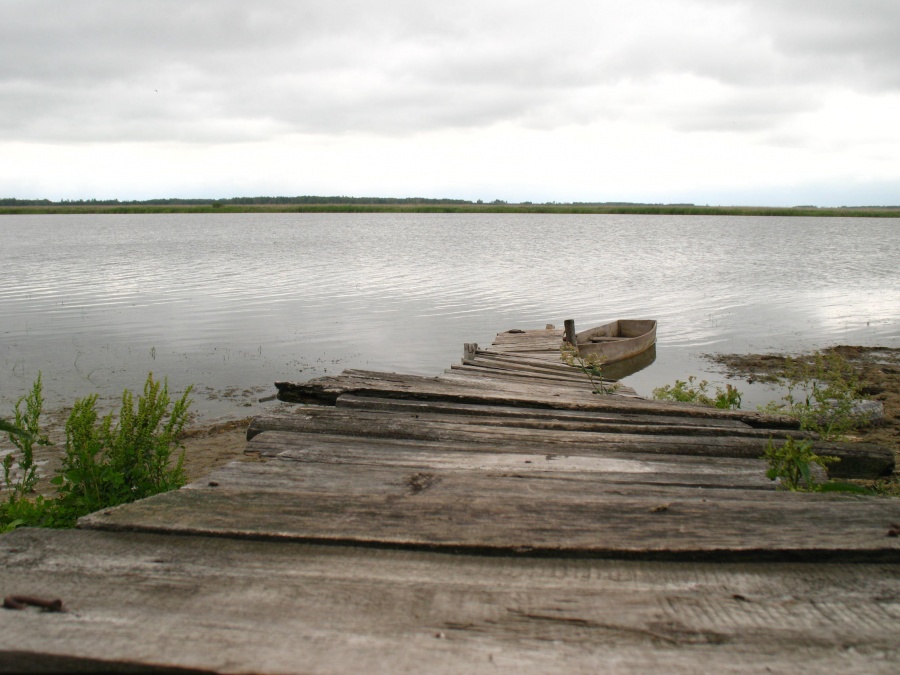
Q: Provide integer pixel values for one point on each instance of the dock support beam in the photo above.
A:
(570, 331)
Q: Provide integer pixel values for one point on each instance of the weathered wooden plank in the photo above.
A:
(512, 512)
(466, 375)
(574, 378)
(391, 385)
(856, 459)
(521, 366)
(538, 431)
(541, 362)
(551, 365)
(525, 349)
(458, 372)
(447, 407)
(541, 341)
(576, 420)
(234, 606)
(337, 450)
(535, 336)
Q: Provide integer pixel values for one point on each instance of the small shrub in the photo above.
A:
(791, 462)
(689, 392)
(24, 434)
(109, 461)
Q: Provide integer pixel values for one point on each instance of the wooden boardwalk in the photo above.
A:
(497, 517)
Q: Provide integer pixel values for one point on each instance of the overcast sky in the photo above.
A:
(781, 102)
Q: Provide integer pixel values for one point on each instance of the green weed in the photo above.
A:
(24, 433)
(689, 392)
(592, 366)
(791, 462)
(822, 392)
(111, 460)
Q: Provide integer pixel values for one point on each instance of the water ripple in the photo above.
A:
(238, 299)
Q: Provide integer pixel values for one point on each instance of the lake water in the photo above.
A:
(233, 302)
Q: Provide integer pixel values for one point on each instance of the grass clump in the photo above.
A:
(689, 392)
(112, 460)
(592, 366)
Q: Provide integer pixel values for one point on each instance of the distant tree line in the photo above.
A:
(408, 202)
(307, 199)
(232, 200)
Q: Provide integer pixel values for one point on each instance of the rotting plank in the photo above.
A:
(503, 377)
(471, 417)
(511, 513)
(571, 375)
(537, 362)
(575, 379)
(672, 470)
(234, 606)
(325, 390)
(448, 407)
(857, 459)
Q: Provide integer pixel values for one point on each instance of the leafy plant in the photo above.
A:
(822, 392)
(107, 464)
(12, 429)
(689, 392)
(592, 366)
(791, 462)
(109, 461)
(24, 434)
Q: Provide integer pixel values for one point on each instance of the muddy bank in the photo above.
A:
(209, 447)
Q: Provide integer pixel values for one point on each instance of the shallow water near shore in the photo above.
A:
(233, 302)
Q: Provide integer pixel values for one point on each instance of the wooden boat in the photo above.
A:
(617, 340)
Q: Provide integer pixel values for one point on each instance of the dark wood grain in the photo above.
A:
(856, 459)
(239, 606)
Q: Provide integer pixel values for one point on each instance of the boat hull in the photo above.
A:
(617, 340)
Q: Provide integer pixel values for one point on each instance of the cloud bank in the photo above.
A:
(786, 74)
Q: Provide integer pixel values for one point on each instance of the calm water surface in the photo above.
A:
(233, 302)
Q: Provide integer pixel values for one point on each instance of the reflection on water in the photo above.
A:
(619, 370)
(233, 302)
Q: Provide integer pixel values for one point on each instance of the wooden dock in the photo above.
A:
(500, 517)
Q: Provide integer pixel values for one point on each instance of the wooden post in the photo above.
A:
(570, 331)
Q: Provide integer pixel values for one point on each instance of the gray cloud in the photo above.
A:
(206, 71)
